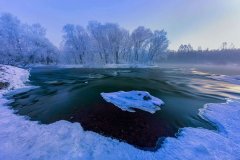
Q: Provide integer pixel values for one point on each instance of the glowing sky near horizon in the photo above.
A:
(205, 23)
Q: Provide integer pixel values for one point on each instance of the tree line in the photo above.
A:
(22, 44)
(226, 54)
(97, 43)
(110, 44)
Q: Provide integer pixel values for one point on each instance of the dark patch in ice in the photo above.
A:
(146, 98)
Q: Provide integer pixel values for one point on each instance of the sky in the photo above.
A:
(205, 23)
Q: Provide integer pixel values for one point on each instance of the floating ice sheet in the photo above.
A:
(128, 101)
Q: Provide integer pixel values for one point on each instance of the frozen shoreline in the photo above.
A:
(24, 139)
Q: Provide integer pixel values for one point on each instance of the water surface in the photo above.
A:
(74, 95)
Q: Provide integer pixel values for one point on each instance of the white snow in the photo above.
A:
(127, 101)
(16, 77)
(62, 140)
(230, 79)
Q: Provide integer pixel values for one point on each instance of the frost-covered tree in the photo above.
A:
(38, 49)
(22, 44)
(98, 43)
(140, 38)
(99, 40)
(110, 40)
(125, 47)
(11, 38)
(115, 39)
(158, 44)
(76, 44)
(109, 43)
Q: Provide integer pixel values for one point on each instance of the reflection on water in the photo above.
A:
(74, 95)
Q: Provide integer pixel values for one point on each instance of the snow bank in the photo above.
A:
(231, 79)
(127, 101)
(24, 139)
(16, 77)
(207, 144)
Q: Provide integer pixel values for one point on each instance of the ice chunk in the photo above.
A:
(230, 79)
(127, 101)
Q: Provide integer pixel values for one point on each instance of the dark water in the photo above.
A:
(74, 95)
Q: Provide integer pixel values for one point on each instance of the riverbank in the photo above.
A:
(24, 139)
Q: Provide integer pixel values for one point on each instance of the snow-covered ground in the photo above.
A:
(16, 77)
(24, 139)
(230, 79)
(127, 101)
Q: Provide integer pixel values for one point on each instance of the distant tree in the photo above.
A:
(140, 38)
(11, 38)
(158, 44)
(97, 32)
(199, 49)
(23, 44)
(226, 54)
(37, 47)
(185, 48)
(76, 42)
(110, 40)
(224, 46)
(232, 46)
(109, 43)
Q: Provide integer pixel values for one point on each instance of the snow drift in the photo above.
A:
(24, 139)
(127, 101)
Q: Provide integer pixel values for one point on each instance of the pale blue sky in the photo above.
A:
(205, 23)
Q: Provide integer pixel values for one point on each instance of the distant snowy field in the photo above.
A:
(24, 139)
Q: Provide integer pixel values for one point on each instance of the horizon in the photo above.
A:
(196, 25)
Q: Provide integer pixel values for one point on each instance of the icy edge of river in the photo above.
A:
(24, 139)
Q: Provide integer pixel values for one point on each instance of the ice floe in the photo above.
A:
(128, 101)
(24, 139)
